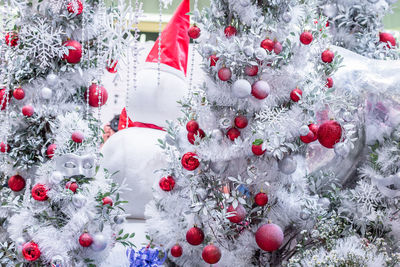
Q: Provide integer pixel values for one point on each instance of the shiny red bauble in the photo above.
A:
(107, 201)
(257, 148)
(238, 214)
(195, 236)
(85, 240)
(167, 183)
(72, 186)
(50, 150)
(329, 133)
(385, 37)
(77, 137)
(28, 110)
(327, 56)
(19, 93)
(277, 47)
(211, 254)
(261, 199)
(213, 60)
(306, 38)
(269, 237)
(75, 6)
(260, 89)
(312, 134)
(233, 133)
(98, 95)
(296, 94)
(192, 136)
(176, 251)
(241, 122)
(194, 32)
(224, 74)
(230, 31)
(192, 126)
(112, 66)
(39, 192)
(4, 148)
(74, 51)
(251, 70)
(268, 44)
(31, 251)
(3, 99)
(329, 82)
(16, 183)
(12, 39)
(189, 161)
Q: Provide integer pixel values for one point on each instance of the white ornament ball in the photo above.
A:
(241, 88)
(46, 93)
(287, 17)
(52, 79)
(304, 130)
(287, 165)
(330, 10)
(248, 51)
(78, 200)
(99, 242)
(219, 167)
(260, 53)
(57, 261)
(341, 149)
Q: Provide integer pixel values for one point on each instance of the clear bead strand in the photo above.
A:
(192, 55)
(129, 71)
(83, 55)
(159, 44)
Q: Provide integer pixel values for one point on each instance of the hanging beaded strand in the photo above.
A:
(159, 45)
(83, 55)
(128, 69)
(192, 55)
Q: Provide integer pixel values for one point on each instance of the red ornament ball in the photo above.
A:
(192, 126)
(75, 6)
(241, 122)
(269, 237)
(277, 47)
(296, 94)
(3, 99)
(4, 148)
(312, 134)
(260, 89)
(74, 54)
(50, 150)
(329, 82)
(385, 37)
(16, 183)
(176, 251)
(85, 240)
(97, 95)
(327, 56)
(12, 39)
(77, 137)
(107, 201)
(39, 192)
(211, 254)
(238, 214)
(28, 110)
(213, 60)
(306, 38)
(192, 136)
(261, 199)
(195, 236)
(31, 251)
(224, 74)
(251, 70)
(190, 162)
(112, 66)
(257, 147)
(230, 31)
(194, 32)
(233, 133)
(167, 183)
(19, 93)
(72, 186)
(329, 133)
(268, 44)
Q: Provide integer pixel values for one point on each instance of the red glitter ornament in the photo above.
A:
(19, 93)
(28, 110)
(213, 60)
(224, 74)
(306, 38)
(241, 122)
(31, 251)
(238, 214)
(251, 70)
(94, 92)
(261, 199)
(268, 44)
(296, 94)
(12, 39)
(194, 32)
(189, 161)
(107, 201)
(75, 6)
(233, 133)
(3, 100)
(260, 89)
(277, 47)
(77, 137)
(385, 37)
(327, 56)
(167, 183)
(39, 192)
(176, 251)
(192, 136)
(211, 254)
(72, 186)
(3, 148)
(312, 134)
(329, 133)
(112, 66)
(16, 183)
(50, 150)
(230, 31)
(195, 236)
(74, 51)
(269, 237)
(85, 240)
(192, 126)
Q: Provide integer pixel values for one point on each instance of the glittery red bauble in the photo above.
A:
(74, 51)
(176, 251)
(224, 74)
(3, 148)
(16, 183)
(385, 37)
(230, 31)
(251, 70)
(75, 6)
(329, 133)
(39, 192)
(167, 183)
(94, 92)
(194, 32)
(312, 134)
(306, 38)
(112, 66)
(71, 186)
(12, 39)
(189, 161)
(239, 213)
(277, 47)
(327, 56)
(31, 251)
(241, 122)
(257, 148)
(85, 240)
(28, 110)
(296, 94)
(19, 93)
(233, 133)
(192, 126)
(268, 44)
(77, 137)
(329, 82)
(260, 89)
(269, 237)
(192, 136)
(3, 100)
(213, 60)
(50, 150)
(261, 199)
(107, 201)
(211, 254)
(195, 236)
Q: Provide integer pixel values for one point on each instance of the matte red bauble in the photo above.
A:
(18, 93)
(211, 254)
(268, 44)
(241, 122)
(72, 186)
(261, 199)
(97, 95)
(31, 251)
(277, 47)
(112, 66)
(39, 192)
(192, 126)
(194, 32)
(195, 236)
(16, 183)
(224, 74)
(74, 51)
(77, 137)
(306, 38)
(213, 60)
(312, 134)
(107, 201)
(85, 240)
(233, 133)
(176, 251)
(3, 100)
(329, 133)
(189, 161)
(28, 110)
(257, 147)
(12, 39)
(385, 37)
(230, 31)
(75, 6)
(269, 237)
(167, 183)
(192, 136)
(50, 150)
(327, 56)
(238, 214)
(251, 70)
(4, 148)
(296, 94)
(260, 89)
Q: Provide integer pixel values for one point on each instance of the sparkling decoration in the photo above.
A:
(230, 31)
(12, 39)
(261, 199)
(260, 89)
(312, 134)
(176, 251)
(330, 10)
(233, 133)
(211, 254)
(306, 38)
(257, 147)
(219, 167)
(52, 80)
(50, 150)
(329, 82)
(99, 242)
(46, 93)
(28, 110)
(241, 122)
(77, 137)
(269, 237)
(16, 183)
(329, 133)
(195, 236)
(341, 149)
(79, 201)
(241, 88)
(296, 95)
(287, 165)
(107, 201)
(72, 186)
(225, 74)
(192, 136)
(225, 123)
(192, 126)
(385, 37)
(3, 100)
(75, 6)
(189, 161)
(85, 240)
(251, 70)
(57, 261)
(236, 215)
(74, 53)
(327, 56)
(31, 251)
(18, 93)
(167, 183)
(39, 192)
(260, 53)
(4, 148)
(194, 32)
(287, 17)
(97, 95)
(213, 60)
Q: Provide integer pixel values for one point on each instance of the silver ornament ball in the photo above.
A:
(341, 149)
(99, 242)
(46, 93)
(219, 167)
(248, 51)
(119, 219)
(217, 135)
(57, 261)
(287, 165)
(287, 17)
(52, 79)
(304, 130)
(241, 88)
(260, 53)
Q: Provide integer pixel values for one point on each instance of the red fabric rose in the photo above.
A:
(190, 162)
